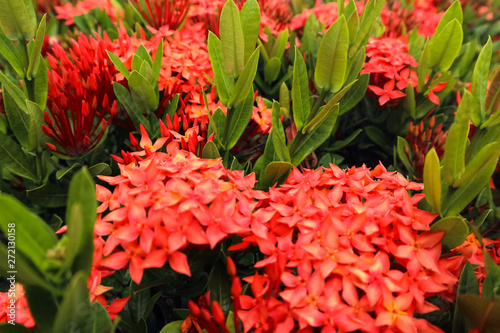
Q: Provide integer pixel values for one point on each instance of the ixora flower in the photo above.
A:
(22, 312)
(81, 101)
(159, 13)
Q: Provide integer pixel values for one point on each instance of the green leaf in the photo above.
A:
(41, 85)
(35, 55)
(210, 151)
(18, 118)
(48, 195)
(101, 321)
(445, 46)
(300, 91)
(33, 236)
(118, 64)
(224, 82)
(371, 12)
(456, 141)
(245, 81)
(123, 96)
(481, 160)
(143, 54)
(310, 40)
(13, 159)
(378, 136)
(409, 101)
(304, 144)
(272, 69)
(355, 65)
(250, 24)
(468, 190)
(75, 310)
(235, 165)
(16, 93)
(172, 327)
(219, 284)
(483, 313)
(276, 121)
(279, 46)
(331, 64)
(81, 214)
(17, 19)
(35, 132)
(42, 305)
(323, 112)
(402, 154)
(156, 67)
(219, 118)
(355, 94)
(100, 169)
(339, 144)
(232, 38)
(480, 81)
(143, 94)
(466, 285)
(453, 12)
(432, 180)
(491, 284)
(353, 24)
(456, 231)
(11, 54)
(239, 121)
(492, 102)
(275, 172)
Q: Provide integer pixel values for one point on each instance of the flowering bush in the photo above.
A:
(302, 166)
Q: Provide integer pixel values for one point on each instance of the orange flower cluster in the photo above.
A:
(22, 311)
(345, 250)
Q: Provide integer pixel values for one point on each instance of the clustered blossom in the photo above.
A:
(167, 203)
(66, 11)
(22, 311)
(344, 250)
(390, 67)
(169, 13)
(81, 101)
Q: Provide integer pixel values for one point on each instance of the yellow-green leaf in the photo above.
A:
(432, 180)
(232, 38)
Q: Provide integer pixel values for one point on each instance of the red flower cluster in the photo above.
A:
(166, 204)
(344, 250)
(389, 65)
(67, 11)
(22, 311)
(79, 96)
(169, 13)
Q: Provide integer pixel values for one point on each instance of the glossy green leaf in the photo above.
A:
(100, 169)
(423, 65)
(456, 231)
(456, 141)
(284, 100)
(19, 119)
(491, 284)
(81, 214)
(143, 54)
(355, 65)
(481, 160)
(300, 91)
(330, 71)
(280, 148)
(320, 116)
(75, 310)
(453, 12)
(224, 82)
(378, 136)
(242, 113)
(492, 102)
(100, 319)
(354, 95)
(232, 38)
(480, 81)
(219, 284)
(483, 313)
(371, 12)
(11, 54)
(310, 38)
(146, 71)
(279, 46)
(337, 97)
(250, 23)
(468, 190)
(272, 69)
(118, 64)
(13, 159)
(35, 55)
(304, 144)
(466, 285)
(33, 236)
(409, 103)
(156, 67)
(210, 151)
(172, 327)
(245, 81)
(16, 93)
(35, 132)
(41, 85)
(339, 144)
(17, 19)
(353, 24)
(43, 307)
(445, 46)
(123, 96)
(402, 154)
(275, 172)
(219, 120)
(48, 195)
(143, 94)
(432, 180)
